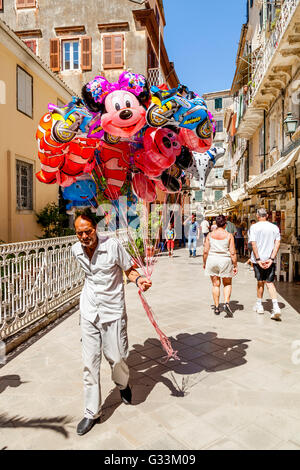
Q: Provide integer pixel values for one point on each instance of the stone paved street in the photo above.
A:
(235, 386)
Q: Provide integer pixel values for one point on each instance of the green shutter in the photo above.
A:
(198, 196)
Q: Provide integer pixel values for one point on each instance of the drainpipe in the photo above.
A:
(265, 115)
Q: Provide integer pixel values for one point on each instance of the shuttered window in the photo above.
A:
(113, 51)
(219, 126)
(86, 53)
(24, 92)
(25, 3)
(24, 185)
(218, 195)
(31, 43)
(198, 196)
(54, 55)
(218, 103)
(70, 55)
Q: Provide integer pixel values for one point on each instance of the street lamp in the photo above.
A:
(290, 125)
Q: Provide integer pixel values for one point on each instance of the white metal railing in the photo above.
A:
(287, 10)
(153, 77)
(37, 277)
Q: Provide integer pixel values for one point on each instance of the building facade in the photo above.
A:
(264, 166)
(79, 40)
(216, 185)
(27, 85)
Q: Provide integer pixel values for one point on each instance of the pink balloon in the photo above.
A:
(162, 146)
(124, 115)
(189, 139)
(143, 187)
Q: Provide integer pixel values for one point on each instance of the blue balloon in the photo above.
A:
(81, 194)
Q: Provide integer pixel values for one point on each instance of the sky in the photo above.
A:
(201, 38)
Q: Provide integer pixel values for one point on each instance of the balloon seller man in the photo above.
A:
(103, 313)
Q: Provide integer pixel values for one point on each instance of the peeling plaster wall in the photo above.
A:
(89, 13)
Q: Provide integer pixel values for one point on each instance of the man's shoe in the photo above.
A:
(276, 314)
(258, 308)
(126, 395)
(86, 425)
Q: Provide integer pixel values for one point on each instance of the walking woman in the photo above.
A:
(220, 263)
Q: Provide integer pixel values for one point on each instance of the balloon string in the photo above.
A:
(165, 342)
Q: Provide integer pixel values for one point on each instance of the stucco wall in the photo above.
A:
(17, 140)
(55, 13)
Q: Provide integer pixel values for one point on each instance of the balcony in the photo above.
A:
(285, 25)
(153, 77)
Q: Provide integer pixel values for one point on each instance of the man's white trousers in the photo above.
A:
(111, 338)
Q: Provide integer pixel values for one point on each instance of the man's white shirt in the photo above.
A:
(264, 234)
(205, 226)
(103, 291)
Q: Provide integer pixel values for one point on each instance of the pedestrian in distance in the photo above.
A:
(194, 234)
(170, 236)
(249, 246)
(205, 228)
(103, 313)
(220, 263)
(239, 238)
(230, 226)
(213, 226)
(265, 240)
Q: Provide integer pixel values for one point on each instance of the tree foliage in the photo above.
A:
(54, 222)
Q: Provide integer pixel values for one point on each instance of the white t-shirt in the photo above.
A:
(264, 234)
(205, 226)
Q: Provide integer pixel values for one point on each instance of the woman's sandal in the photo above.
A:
(229, 312)
(217, 310)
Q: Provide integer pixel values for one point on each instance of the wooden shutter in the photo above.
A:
(118, 51)
(113, 51)
(1, 5)
(21, 3)
(25, 3)
(86, 53)
(31, 44)
(107, 51)
(54, 55)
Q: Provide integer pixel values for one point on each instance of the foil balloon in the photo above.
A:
(189, 139)
(203, 164)
(143, 187)
(161, 146)
(80, 194)
(120, 106)
(113, 164)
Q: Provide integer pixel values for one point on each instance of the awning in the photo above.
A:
(237, 196)
(213, 213)
(232, 199)
(272, 172)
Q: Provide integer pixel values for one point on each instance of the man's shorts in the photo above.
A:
(267, 275)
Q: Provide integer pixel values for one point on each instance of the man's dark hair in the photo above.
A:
(86, 214)
(221, 221)
(252, 221)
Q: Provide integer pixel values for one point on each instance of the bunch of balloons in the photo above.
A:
(155, 135)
